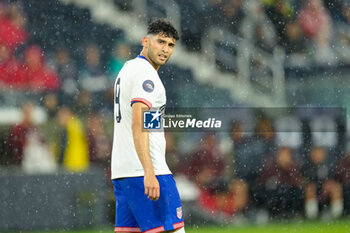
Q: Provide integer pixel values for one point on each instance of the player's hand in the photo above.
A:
(152, 190)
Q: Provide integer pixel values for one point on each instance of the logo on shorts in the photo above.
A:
(179, 212)
(152, 119)
(148, 85)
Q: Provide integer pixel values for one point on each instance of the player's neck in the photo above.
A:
(156, 67)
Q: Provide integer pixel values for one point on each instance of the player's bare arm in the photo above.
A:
(141, 141)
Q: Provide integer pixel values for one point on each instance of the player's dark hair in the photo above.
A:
(164, 27)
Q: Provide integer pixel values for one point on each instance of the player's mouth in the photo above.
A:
(163, 57)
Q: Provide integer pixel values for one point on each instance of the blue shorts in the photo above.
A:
(136, 213)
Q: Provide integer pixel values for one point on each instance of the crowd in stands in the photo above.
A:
(312, 32)
(287, 174)
(257, 172)
(263, 174)
(74, 135)
(31, 72)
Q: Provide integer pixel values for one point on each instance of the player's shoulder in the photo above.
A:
(140, 63)
(142, 68)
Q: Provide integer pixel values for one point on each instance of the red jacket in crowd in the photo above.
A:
(10, 35)
(37, 75)
(277, 175)
(11, 74)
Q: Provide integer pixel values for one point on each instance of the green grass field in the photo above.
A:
(341, 226)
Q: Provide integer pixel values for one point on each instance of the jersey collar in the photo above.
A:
(142, 57)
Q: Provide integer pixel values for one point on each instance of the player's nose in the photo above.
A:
(165, 49)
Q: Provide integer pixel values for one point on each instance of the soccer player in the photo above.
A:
(147, 199)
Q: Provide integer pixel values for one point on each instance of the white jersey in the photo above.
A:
(137, 81)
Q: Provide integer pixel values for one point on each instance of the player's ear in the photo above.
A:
(145, 41)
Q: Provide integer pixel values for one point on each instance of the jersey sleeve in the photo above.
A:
(144, 90)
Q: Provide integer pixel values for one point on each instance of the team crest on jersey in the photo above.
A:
(179, 212)
(148, 85)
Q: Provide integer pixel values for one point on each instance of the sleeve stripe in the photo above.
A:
(142, 100)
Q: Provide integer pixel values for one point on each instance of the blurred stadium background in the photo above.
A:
(58, 60)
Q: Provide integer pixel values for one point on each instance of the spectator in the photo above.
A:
(207, 165)
(99, 144)
(82, 105)
(238, 192)
(314, 20)
(18, 134)
(173, 156)
(321, 188)
(295, 45)
(342, 175)
(345, 12)
(37, 75)
(74, 153)
(12, 26)
(294, 42)
(50, 128)
(316, 24)
(11, 74)
(279, 13)
(249, 152)
(265, 132)
(67, 72)
(232, 15)
(256, 28)
(281, 185)
(37, 158)
(219, 195)
(93, 78)
(121, 53)
(227, 200)
(343, 33)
